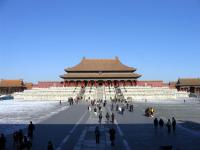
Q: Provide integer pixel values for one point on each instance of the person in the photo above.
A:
(95, 109)
(169, 126)
(117, 107)
(20, 137)
(122, 110)
(72, 101)
(112, 106)
(2, 142)
(173, 124)
(107, 117)
(155, 123)
(100, 118)
(26, 143)
(151, 112)
(31, 128)
(113, 117)
(15, 138)
(50, 146)
(97, 134)
(99, 108)
(104, 103)
(60, 102)
(161, 123)
(127, 105)
(112, 136)
(131, 108)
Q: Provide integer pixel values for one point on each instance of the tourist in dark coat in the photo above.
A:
(31, 128)
(112, 136)
(161, 123)
(20, 137)
(112, 106)
(95, 109)
(174, 124)
(155, 123)
(131, 107)
(100, 118)
(117, 107)
(97, 134)
(169, 126)
(123, 110)
(107, 116)
(2, 142)
(50, 146)
(127, 105)
(113, 117)
(15, 139)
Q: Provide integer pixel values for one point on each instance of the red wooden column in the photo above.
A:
(106, 83)
(133, 83)
(64, 83)
(121, 83)
(124, 84)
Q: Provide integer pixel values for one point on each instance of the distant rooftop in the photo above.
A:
(189, 81)
(11, 83)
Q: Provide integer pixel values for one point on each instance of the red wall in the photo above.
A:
(47, 84)
(43, 84)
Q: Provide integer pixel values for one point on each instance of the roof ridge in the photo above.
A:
(90, 64)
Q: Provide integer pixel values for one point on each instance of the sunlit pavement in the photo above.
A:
(74, 127)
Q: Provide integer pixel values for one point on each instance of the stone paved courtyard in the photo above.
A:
(74, 127)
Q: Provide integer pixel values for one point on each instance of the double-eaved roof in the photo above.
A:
(100, 65)
(100, 69)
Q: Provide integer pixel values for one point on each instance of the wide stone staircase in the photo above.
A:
(81, 93)
(119, 94)
(147, 92)
(52, 93)
(100, 93)
(90, 93)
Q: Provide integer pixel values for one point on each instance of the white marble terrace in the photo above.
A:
(129, 92)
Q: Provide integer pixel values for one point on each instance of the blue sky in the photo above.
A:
(39, 38)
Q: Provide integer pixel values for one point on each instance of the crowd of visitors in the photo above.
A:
(20, 140)
(170, 124)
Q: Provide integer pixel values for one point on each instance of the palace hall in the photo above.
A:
(98, 72)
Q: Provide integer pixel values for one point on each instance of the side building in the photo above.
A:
(191, 85)
(11, 86)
